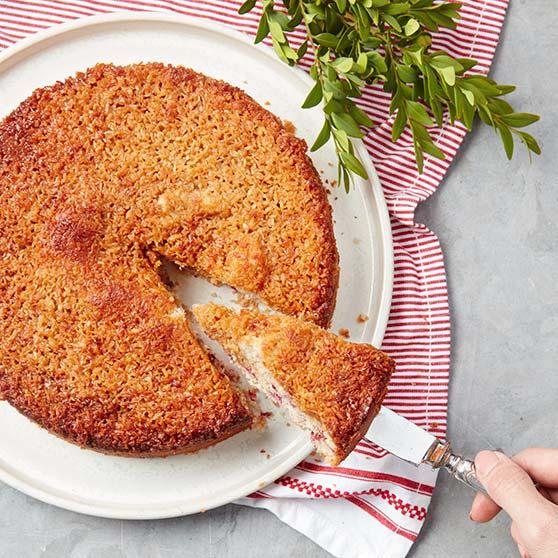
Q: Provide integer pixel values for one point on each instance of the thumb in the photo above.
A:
(509, 486)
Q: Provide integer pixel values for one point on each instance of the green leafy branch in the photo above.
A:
(356, 43)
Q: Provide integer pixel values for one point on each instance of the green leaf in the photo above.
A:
(469, 96)
(438, 111)
(396, 7)
(432, 149)
(485, 85)
(326, 39)
(393, 22)
(346, 180)
(411, 27)
(360, 116)
(346, 122)
(378, 61)
(519, 119)
(445, 61)
(278, 48)
(263, 30)
(341, 5)
(322, 137)
(361, 63)
(447, 73)
(418, 113)
(289, 52)
(247, 6)
(353, 164)
(406, 74)
(499, 106)
(530, 142)
(467, 63)
(341, 138)
(333, 106)
(343, 65)
(276, 31)
(505, 89)
(507, 140)
(335, 88)
(398, 125)
(422, 136)
(282, 19)
(295, 21)
(363, 21)
(419, 156)
(301, 51)
(468, 115)
(356, 80)
(314, 97)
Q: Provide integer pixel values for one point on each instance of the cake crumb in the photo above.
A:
(262, 451)
(213, 294)
(344, 332)
(261, 484)
(253, 394)
(330, 164)
(290, 127)
(356, 241)
(267, 103)
(361, 318)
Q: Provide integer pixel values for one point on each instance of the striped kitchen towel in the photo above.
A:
(373, 505)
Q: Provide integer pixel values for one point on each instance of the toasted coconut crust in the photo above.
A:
(102, 174)
(337, 383)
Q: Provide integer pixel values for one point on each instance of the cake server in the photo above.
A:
(407, 441)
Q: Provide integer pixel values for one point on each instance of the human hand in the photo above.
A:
(511, 485)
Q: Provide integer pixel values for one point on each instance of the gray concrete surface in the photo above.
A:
(498, 223)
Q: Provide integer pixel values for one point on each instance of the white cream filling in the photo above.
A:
(261, 377)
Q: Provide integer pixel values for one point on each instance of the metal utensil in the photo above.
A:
(407, 441)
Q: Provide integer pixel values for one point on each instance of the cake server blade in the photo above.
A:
(407, 441)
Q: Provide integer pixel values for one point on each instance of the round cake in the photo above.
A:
(101, 176)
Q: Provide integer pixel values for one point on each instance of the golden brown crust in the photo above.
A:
(340, 384)
(101, 174)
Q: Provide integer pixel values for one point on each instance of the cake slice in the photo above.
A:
(329, 386)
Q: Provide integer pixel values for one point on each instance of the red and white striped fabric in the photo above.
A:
(374, 505)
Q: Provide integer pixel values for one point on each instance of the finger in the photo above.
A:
(483, 509)
(514, 531)
(541, 464)
(510, 487)
(552, 494)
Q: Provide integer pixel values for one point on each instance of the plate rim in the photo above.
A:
(375, 332)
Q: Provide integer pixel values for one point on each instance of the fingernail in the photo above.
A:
(485, 462)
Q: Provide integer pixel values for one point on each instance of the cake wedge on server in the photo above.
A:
(329, 386)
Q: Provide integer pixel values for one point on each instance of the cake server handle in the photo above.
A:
(440, 456)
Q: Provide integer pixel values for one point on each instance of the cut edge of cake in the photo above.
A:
(332, 443)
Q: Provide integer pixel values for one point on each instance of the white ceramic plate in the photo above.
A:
(60, 473)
